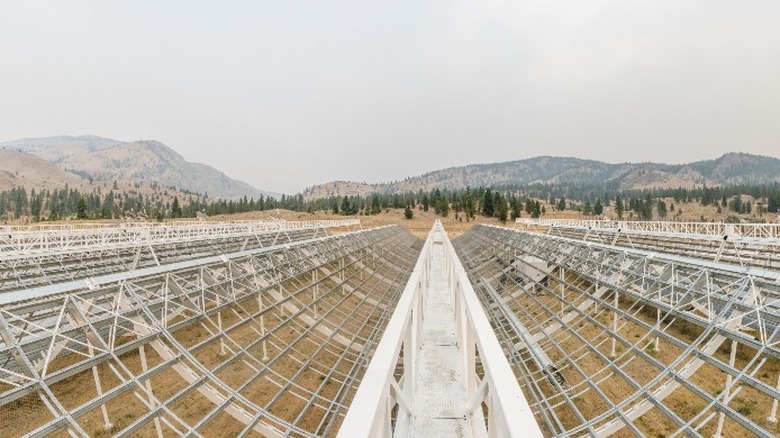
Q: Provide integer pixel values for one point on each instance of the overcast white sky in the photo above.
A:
(286, 94)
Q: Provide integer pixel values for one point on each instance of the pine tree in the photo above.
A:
(619, 208)
(442, 207)
(661, 208)
(536, 210)
(598, 209)
(375, 207)
(408, 213)
(736, 204)
(647, 208)
(502, 211)
(81, 209)
(487, 204)
(587, 210)
(175, 208)
(515, 203)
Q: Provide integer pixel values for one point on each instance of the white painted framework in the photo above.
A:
(712, 229)
(581, 331)
(36, 256)
(269, 341)
(385, 403)
(25, 241)
(742, 244)
(608, 339)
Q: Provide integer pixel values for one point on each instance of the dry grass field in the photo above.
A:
(682, 402)
(456, 224)
(419, 225)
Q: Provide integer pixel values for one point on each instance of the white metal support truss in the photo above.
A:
(755, 245)
(439, 389)
(198, 347)
(644, 342)
(36, 256)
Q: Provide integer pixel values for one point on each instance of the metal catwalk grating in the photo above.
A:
(439, 370)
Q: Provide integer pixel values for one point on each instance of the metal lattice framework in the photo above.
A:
(439, 343)
(755, 245)
(713, 229)
(611, 340)
(44, 255)
(249, 329)
(269, 341)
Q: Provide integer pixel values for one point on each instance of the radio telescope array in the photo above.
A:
(322, 328)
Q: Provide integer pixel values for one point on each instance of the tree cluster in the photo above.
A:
(502, 203)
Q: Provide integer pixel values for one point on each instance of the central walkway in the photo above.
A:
(439, 408)
(441, 392)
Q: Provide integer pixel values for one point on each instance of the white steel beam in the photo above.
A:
(215, 341)
(370, 414)
(662, 298)
(742, 244)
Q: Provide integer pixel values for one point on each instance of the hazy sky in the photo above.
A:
(286, 94)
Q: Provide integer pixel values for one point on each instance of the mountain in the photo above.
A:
(732, 168)
(54, 149)
(104, 160)
(153, 161)
(20, 169)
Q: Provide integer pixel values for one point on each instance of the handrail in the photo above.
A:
(716, 230)
(168, 224)
(509, 414)
(15, 239)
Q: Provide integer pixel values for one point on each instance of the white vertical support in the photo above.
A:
(166, 294)
(106, 423)
(657, 343)
(281, 294)
(315, 286)
(136, 258)
(388, 426)
(409, 348)
(219, 325)
(261, 312)
(202, 290)
(493, 431)
(562, 287)
(773, 416)
(719, 254)
(613, 354)
(658, 314)
(341, 276)
(420, 306)
(148, 384)
(403, 417)
(262, 326)
(154, 256)
(722, 415)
